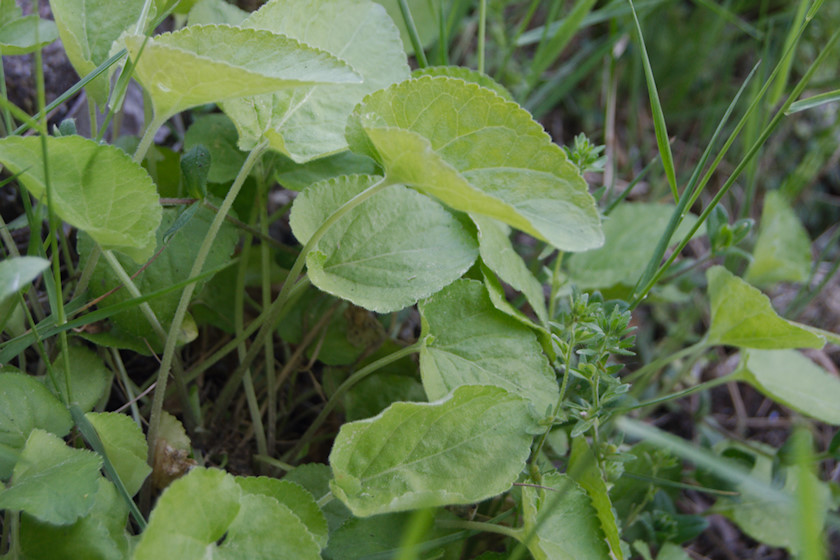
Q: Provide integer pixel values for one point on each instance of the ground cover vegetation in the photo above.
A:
(341, 295)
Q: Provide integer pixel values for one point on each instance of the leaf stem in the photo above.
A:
(419, 54)
(148, 138)
(482, 32)
(348, 384)
(480, 526)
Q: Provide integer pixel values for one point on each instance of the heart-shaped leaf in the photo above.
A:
(464, 448)
(306, 123)
(387, 253)
(479, 153)
(95, 187)
(742, 316)
(25, 404)
(209, 63)
(470, 342)
(52, 482)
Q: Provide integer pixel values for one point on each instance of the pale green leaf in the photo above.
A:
(95, 187)
(26, 34)
(88, 29)
(479, 153)
(172, 265)
(52, 482)
(17, 272)
(742, 316)
(125, 446)
(632, 233)
(89, 378)
(307, 123)
(566, 524)
(498, 254)
(470, 342)
(465, 448)
(215, 11)
(466, 74)
(782, 251)
(217, 133)
(25, 404)
(387, 253)
(100, 535)
(295, 497)
(584, 469)
(788, 377)
(210, 63)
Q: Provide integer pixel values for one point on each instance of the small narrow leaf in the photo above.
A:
(95, 187)
(742, 316)
(25, 404)
(561, 522)
(387, 253)
(52, 482)
(125, 446)
(479, 153)
(210, 63)
(782, 251)
(17, 272)
(464, 448)
(309, 122)
(469, 342)
(789, 378)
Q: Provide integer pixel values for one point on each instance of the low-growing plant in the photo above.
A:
(433, 217)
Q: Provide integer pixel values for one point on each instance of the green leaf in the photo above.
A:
(89, 378)
(298, 176)
(125, 446)
(782, 251)
(464, 448)
(467, 341)
(172, 265)
(387, 253)
(308, 123)
(25, 404)
(88, 29)
(210, 63)
(218, 134)
(315, 478)
(466, 74)
(479, 153)
(19, 35)
(95, 187)
(215, 11)
(632, 233)
(498, 254)
(788, 377)
(199, 509)
(52, 482)
(583, 468)
(425, 20)
(17, 272)
(100, 535)
(566, 524)
(742, 316)
(373, 394)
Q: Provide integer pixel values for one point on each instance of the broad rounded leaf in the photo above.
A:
(385, 254)
(17, 272)
(209, 63)
(470, 342)
(99, 535)
(788, 377)
(295, 497)
(464, 448)
(125, 446)
(306, 123)
(742, 316)
(218, 134)
(95, 187)
(88, 29)
(466, 74)
(782, 251)
(25, 404)
(26, 34)
(566, 523)
(632, 233)
(52, 482)
(89, 378)
(479, 153)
